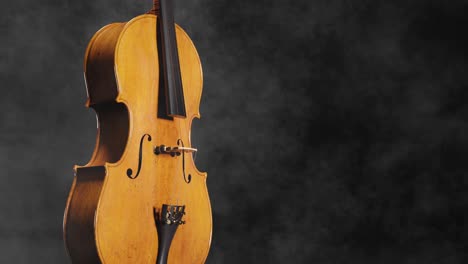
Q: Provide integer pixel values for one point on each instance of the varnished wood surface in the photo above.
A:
(79, 221)
(123, 226)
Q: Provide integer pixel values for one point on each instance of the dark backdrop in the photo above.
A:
(332, 131)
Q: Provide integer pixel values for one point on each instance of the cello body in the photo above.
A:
(112, 209)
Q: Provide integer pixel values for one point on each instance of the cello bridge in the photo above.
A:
(173, 151)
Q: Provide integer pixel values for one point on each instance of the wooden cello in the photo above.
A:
(140, 199)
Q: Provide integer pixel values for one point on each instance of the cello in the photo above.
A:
(140, 198)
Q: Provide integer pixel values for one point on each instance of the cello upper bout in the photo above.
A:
(136, 61)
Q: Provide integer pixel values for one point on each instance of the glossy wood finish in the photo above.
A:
(109, 217)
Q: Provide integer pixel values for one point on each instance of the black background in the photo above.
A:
(332, 131)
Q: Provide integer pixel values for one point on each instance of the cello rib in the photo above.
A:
(79, 215)
(112, 133)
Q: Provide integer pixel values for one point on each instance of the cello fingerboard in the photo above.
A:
(171, 103)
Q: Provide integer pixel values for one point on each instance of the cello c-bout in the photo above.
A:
(141, 199)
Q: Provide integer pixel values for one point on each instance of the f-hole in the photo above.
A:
(140, 158)
(188, 178)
